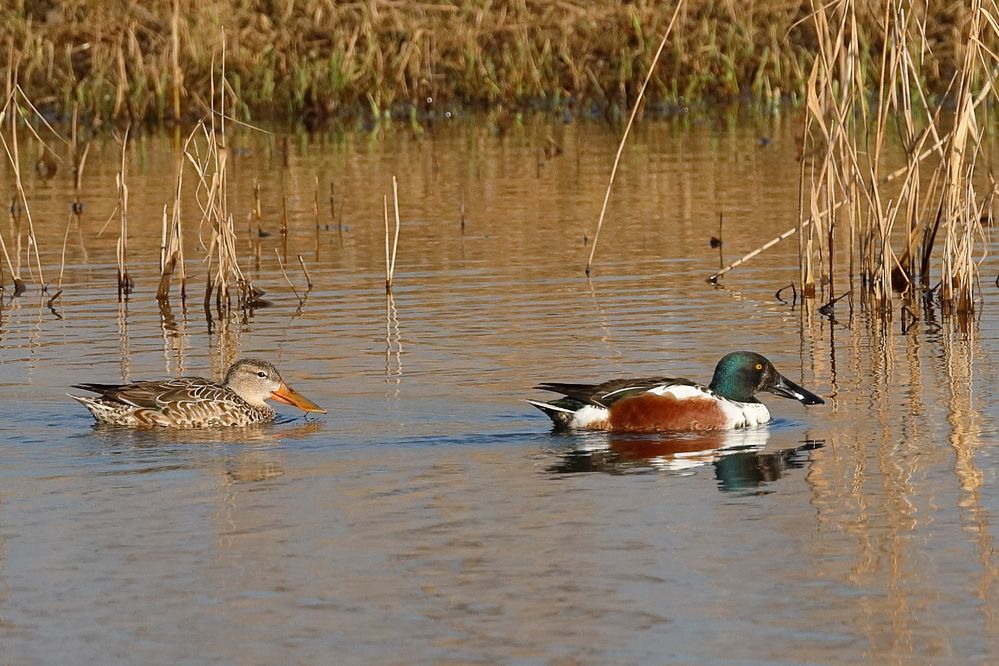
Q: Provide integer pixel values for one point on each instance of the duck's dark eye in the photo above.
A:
(759, 366)
(261, 374)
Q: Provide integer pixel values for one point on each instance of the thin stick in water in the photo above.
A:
(281, 264)
(627, 130)
(305, 270)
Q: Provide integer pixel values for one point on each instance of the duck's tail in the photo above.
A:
(559, 411)
(93, 404)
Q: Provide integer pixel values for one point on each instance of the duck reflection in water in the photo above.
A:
(738, 457)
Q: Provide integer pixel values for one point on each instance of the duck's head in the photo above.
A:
(256, 381)
(741, 375)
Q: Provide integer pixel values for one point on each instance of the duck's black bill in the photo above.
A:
(785, 388)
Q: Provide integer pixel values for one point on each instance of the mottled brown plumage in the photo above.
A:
(195, 402)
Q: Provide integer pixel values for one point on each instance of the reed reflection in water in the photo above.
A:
(431, 516)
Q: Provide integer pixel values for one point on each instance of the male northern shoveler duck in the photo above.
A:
(194, 402)
(659, 404)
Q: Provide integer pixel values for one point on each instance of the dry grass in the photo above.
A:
(893, 222)
(206, 152)
(894, 233)
(18, 111)
(314, 58)
(125, 282)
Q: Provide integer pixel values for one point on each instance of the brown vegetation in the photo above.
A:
(116, 59)
(894, 222)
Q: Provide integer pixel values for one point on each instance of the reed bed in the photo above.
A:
(895, 225)
(171, 243)
(206, 152)
(894, 234)
(20, 112)
(315, 58)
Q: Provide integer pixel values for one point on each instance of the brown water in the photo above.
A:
(432, 516)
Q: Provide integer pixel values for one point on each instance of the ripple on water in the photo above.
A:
(432, 515)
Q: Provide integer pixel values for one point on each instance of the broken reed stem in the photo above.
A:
(790, 232)
(212, 197)
(79, 163)
(388, 276)
(287, 279)
(13, 155)
(308, 278)
(124, 279)
(172, 248)
(390, 259)
(62, 258)
(284, 224)
(627, 130)
(18, 283)
(254, 236)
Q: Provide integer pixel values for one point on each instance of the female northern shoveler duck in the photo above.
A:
(194, 402)
(657, 404)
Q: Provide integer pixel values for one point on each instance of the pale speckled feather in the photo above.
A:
(187, 402)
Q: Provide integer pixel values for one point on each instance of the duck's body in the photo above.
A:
(195, 402)
(660, 404)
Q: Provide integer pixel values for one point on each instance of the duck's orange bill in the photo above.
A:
(289, 396)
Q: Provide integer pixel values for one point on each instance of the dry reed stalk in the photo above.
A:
(459, 51)
(125, 282)
(841, 171)
(388, 279)
(212, 196)
(178, 74)
(315, 208)
(834, 90)
(79, 163)
(172, 249)
(390, 259)
(287, 279)
(308, 278)
(20, 202)
(284, 225)
(12, 105)
(19, 285)
(62, 257)
(713, 278)
(254, 236)
(960, 209)
(627, 130)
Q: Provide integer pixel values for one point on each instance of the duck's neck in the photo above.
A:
(250, 400)
(728, 386)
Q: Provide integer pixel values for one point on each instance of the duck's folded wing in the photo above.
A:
(156, 394)
(607, 393)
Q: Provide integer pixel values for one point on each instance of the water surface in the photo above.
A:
(432, 515)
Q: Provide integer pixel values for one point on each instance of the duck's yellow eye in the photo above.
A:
(759, 366)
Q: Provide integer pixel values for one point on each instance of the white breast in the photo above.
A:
(738, 414)
(745, 414)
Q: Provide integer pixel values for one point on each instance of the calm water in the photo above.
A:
(432, 516)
